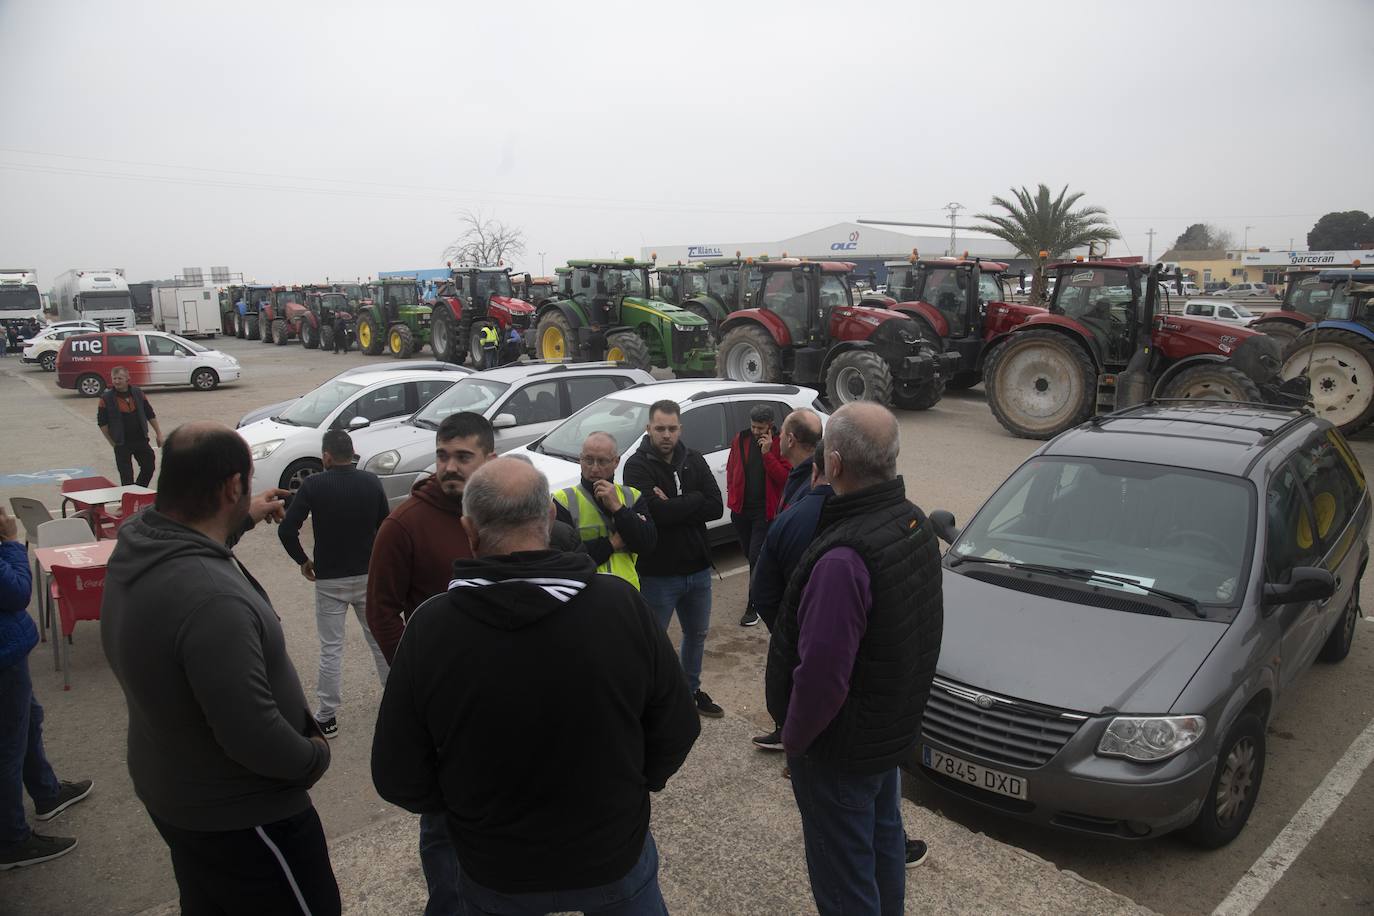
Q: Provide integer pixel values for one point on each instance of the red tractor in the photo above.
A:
(960, 305)
(799, 323)
(534, 290)
(472, 300)
(1306, 301)
(281, 315)
(1102, 345)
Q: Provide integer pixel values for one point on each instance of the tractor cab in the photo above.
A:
(354, 292)
(959, 290)
(477, 285)
(1110, 302)
(534, 290)
(395, 297)
(803, 294)
(709, 288)
(328, 305)
(600, 286)
(1348, 295)
(679, 282)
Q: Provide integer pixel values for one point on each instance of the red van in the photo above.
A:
(152, 358)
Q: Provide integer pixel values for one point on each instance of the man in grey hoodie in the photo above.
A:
(222, 745)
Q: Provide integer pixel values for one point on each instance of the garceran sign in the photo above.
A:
(1307, 258)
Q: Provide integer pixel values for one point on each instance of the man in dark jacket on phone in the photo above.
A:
(529, 640)
(681, 495)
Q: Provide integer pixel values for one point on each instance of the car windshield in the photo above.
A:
(474, 394)
(189, 344)
(1182, 531)
(493, 284)
(20, 298)
(624, 420)
(315, 407)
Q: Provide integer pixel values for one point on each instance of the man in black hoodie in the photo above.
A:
(222, 746)
(531, 640)
(682, 496)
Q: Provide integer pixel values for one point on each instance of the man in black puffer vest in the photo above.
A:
(854, 651)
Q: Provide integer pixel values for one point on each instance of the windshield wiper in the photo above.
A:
(287, 421)
(1086, 575)
(424, 423)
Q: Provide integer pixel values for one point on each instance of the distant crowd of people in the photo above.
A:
(496, 609)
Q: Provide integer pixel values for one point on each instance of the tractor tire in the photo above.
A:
(280, 332)
(238, 326)
(1339, 366)
(749, 354)
(370, 339)
(963, 381)
(553, 339)
(629, 348)
(444, 336)
(474, 341)
(917, 395)
(250, 328)
(400, 340)
(266, 327)
(1285, 332)
(327, 337)
(310, 336)
(1213, 382)
(1040, 383)
(860, 375)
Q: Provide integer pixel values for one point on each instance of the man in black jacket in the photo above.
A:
(526, 640)
(682, 496)
(124, 416)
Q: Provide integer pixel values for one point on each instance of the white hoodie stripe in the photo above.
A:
(563, 590)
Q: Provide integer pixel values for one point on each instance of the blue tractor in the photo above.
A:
(1336, 355)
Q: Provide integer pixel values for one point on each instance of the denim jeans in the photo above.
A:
(691, 596)
(332, 598)
(855, 848)
(23, 764)
(636, 894)
(439, 862)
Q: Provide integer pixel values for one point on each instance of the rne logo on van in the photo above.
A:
(93, 345)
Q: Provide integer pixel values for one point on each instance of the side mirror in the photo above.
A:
(503, 421)
(179, 353)
(945, 527)
(1306, 583)
(359, 423)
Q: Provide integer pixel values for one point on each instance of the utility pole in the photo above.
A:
(1150, 255)
(541, 262)
(953, 210)
(1245, 245)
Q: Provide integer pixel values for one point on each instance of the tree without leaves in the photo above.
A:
(485, 241)
(1341, 231)
(1204, 237)
(1036, 223)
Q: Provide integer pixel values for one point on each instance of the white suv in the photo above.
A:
(1243, 291)
(1228, 312)
(42, 347)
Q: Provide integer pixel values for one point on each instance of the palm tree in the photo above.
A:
(1036, 223)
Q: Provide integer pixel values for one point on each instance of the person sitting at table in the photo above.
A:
(129, 433)
(23, 765)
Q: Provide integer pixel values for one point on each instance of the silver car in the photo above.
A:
(522, 401)
(1123, 614)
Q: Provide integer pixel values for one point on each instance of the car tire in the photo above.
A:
(297, 471)
(90, 385)
(1234, 787)
(1337, 645)
(205, 379)
(48, 361)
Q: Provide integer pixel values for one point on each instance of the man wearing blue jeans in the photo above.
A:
(682, 496)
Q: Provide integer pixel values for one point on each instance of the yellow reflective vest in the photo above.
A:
(590, 521)
(489, 337)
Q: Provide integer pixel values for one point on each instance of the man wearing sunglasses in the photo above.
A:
(613, 520)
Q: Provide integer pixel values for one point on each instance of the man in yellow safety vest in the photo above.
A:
(612, 520)
(490, 339)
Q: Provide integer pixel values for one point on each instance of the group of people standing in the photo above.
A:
(496, 609)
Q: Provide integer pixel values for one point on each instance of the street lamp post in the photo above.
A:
(541, 262)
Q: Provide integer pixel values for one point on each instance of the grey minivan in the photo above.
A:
(1123, 614)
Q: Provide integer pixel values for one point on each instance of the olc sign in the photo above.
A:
(850, 245)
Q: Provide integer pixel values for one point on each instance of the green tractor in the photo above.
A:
(393, 319)
(605, 311)
(708, 288)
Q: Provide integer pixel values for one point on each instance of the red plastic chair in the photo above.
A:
(77, 484)
(80, 591)
(130, 504)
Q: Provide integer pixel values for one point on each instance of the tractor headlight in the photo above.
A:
(1150, 739)
(265, 449)
(383, 463)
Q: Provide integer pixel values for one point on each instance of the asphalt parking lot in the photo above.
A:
(952, 458)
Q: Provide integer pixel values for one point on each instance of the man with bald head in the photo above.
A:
(801, 432)
(612, 520)
(851, 662)
(529, 640)
(222, 744)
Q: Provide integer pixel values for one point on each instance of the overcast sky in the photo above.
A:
(295, 140)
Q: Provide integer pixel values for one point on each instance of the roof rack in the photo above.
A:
(1301, 414)
(751, 389)
(561, 366)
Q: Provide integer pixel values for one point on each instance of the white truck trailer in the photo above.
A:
(98, 294)
(20, 300)
(186, 310)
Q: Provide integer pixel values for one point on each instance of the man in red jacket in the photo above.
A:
(755, 474)
(412, 561)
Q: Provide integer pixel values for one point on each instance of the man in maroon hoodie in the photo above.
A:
(412, 561)
(755, 474)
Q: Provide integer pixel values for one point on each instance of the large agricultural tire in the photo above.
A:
(326, 337)
(310, 336)
(1285, 332)
(1040, 383)
(1213, 382)
(238, 326)
(266, 327)
(749, 354)
(443, 339)
(280, 332)
(400, 340)
(629, 348)
(1340, 369)
(553, 340)
(473, 343)
(250, 328)
(917, 395)
(370, 339)
(860, 375)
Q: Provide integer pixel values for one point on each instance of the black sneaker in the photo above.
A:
(750, 618)
(37, 848)
(68, 794)
(330, 729)
(769, 742)
(706, 707)
(916, 851)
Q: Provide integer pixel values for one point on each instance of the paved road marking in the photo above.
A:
(734, 572)
(1270, 867)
